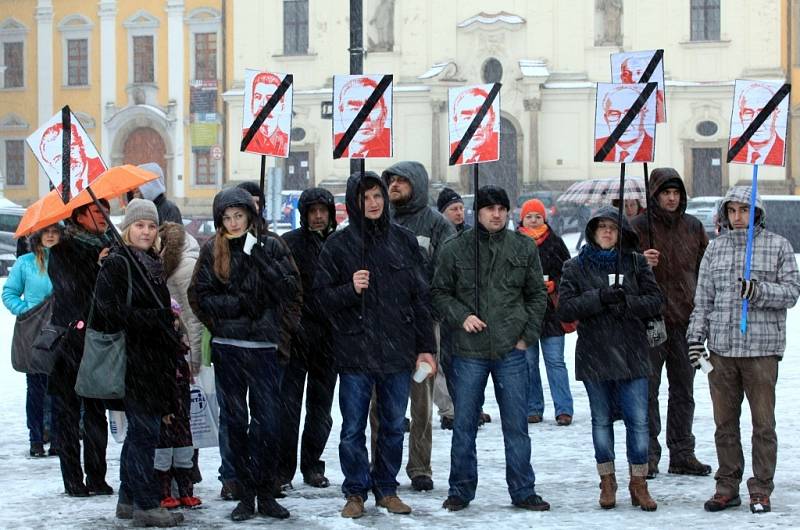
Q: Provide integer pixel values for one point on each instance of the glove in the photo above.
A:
(551, 286)
(697, 351)
(748, 289)
(612, 295)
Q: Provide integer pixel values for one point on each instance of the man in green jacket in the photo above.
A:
(491, 340)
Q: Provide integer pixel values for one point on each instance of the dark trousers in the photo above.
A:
(137, 475)
(317, 428)
(95, 439)
(674, 353)
(731, 380)
(35, 400)
(248, 379)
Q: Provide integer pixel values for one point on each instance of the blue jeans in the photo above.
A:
(631, 395)
(35, 410)
(510, 378)
(250, 445)
(355, 392)
(557, 377)
(137, 475)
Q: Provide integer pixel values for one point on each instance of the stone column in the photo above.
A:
(176, 88)
(533, 106)
(107, 11)
(438, 174)
(44, 68)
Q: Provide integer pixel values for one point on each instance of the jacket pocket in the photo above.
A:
(465, 270)
(720, 328)
(517, 269)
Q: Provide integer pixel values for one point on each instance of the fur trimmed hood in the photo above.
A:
(175, 245)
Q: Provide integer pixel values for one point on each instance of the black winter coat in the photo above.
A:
(552, 254)
(168, 211)
(397, 323)
(248, 306)
(312, 341)
(612, 340)
(151, 342)
(72, 269)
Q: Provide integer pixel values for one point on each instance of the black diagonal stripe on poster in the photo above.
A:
(66, 150)
(762, 116)
(262, 115)
(473, 126)
(611, 141)
(651, 67)
(358, 121)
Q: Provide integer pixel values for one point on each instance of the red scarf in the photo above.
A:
(537, 234)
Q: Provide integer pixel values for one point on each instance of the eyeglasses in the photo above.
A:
(607, 226)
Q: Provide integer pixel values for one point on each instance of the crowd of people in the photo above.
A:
(406, 304)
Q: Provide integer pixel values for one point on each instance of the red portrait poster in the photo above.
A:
(629, 67)
(464, 103)
(636, 143)
(272, 138)
(766, 146)
(373, 137)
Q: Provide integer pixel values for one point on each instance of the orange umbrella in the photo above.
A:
(111, 183)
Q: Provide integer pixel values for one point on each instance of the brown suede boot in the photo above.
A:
(608, 485)
(638, 489)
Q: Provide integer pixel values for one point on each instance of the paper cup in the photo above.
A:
(705, 366)
(612, 276)
(422, 372)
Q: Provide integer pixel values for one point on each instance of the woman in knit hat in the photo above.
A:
(125, 302)
(552, 254)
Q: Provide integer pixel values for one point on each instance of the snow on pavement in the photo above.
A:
(32, 494)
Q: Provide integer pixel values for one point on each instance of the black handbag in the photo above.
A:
(26, 331)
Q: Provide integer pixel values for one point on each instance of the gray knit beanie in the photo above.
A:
(138, 210)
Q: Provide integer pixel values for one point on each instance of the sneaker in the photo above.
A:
(652, 470)
(190, 502)
(393, 504)
(535, 418)
(353, 508)
(447, 423)
(454, 503)
(37, 450)
(719, 502)
(124, 511)
(421, 483)
(564, 420)
(170, 503)
(246, 509)
(759, 503)
(689, 466)
(99, 488)
(267, 505)
(534, 503)
(156, 517)
(316, 480)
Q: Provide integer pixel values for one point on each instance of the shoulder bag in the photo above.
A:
(26, 331)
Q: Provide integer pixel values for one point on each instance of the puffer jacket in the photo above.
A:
(430, 227)
(717, 302)
(27, 285)
(512, 293)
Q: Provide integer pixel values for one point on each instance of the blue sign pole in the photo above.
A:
(748, 257)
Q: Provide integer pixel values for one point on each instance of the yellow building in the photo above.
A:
(144, 78)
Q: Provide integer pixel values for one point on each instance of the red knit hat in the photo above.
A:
(533, 205)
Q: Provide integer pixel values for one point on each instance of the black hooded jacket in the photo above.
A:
(313, 334)
(396, 325)
(249, 305)
(612, 340)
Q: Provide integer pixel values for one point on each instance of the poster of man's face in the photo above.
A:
(272, 137)
(766, 146)
(85, 162)
(628, 67)
(464, 103)
(637, 141)
(373, 139)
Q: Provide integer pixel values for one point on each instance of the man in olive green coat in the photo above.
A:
(491, 340)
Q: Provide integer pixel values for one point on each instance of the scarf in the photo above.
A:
(152, 264)
(597, 259)
(538, 234)
(99, 241)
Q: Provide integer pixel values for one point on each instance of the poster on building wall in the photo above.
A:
(758, 123)
(272, 136)
(47, 146)
(625, 122)
(474, 123)
(642, 67)
(362, 116)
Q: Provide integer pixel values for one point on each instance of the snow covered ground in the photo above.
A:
(31, 491)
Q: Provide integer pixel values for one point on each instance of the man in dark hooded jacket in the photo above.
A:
(311, 352)
(677, 247)
(155, 191)
(408, 192)
(372, 286)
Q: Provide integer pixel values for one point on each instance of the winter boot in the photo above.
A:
(165, 483)
(608, 485)
(688, 465)
(267, 505)
(246, 509)
(638, 488)
(158, 517)
(394, 505)
(353, 508)
(37, 449)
